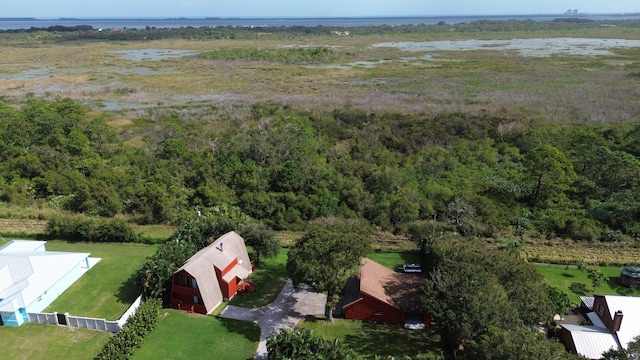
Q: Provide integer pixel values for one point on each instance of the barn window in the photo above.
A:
(379, 313)
(197, 300)
(183, 281)
(194, 283)
(600, 309)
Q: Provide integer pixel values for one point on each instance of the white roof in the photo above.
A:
(595, 320)
(22, 245)
(630, 307)
(31, 273)
(591, 341)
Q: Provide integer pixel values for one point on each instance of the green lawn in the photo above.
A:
(369, 339)
(180, 335)
(576, 283)
(269, 278)
(394, 259)
(37, 341)
(107, 289)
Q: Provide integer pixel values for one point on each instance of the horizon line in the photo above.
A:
(5, 18)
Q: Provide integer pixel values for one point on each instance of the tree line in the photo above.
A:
(87, 32)
(409, 173)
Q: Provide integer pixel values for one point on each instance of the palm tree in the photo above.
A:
(516, 248)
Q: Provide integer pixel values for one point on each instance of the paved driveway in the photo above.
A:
(286, 311)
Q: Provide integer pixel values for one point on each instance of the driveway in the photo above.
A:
(286, 311)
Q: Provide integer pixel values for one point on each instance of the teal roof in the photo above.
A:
(631, 271)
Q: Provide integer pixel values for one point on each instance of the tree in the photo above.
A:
(559, 299)
(597, 277)
(521, 343)
(515, 248)
(465, 301)
(549, 174)
(262, 239)
(472, 289)
(594, 274)
(632, 352)
(325, 259)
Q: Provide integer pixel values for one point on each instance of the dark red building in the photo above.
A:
(382, 295)
(212, 275)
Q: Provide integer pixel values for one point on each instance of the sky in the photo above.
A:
(302, 8)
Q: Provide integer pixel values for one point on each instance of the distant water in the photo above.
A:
(6, 24)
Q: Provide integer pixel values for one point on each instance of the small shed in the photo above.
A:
(630, 276)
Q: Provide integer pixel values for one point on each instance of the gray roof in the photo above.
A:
(591, 341)
(220, 254)
(587, 301)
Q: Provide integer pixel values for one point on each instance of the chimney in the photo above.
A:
(617, 321)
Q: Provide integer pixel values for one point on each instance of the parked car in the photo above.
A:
(411, 268)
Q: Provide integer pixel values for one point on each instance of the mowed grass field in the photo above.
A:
(180, 335)
(576, 283)
(269, 278)
(107, 289)
(370, 339)
(48, 342)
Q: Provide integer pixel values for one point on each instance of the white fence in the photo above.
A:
(86, 322)
(44, 318)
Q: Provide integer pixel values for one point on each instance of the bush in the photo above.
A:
(613, 236)
(124, 343)
(302, 344)
(81, 228)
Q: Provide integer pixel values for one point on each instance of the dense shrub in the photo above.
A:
(286, 167)
(81, 228)
(124, 343)
(303, 345)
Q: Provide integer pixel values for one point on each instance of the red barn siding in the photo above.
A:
(567, 340)
(232, 288)
(182, 297)
(371, 309)
(231, 265)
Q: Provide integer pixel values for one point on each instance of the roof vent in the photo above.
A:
(220, 248)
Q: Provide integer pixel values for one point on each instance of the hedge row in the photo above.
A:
(81, 228)
(123, 344)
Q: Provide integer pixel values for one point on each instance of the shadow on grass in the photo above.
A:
(579, 289)
(393, 340)
(411, 257)
(250, 330)
(567, 275)
(128, 292)
(268, 279)
(614, 283)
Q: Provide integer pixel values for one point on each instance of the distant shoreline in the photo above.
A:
(318, 17)
(16, 23)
